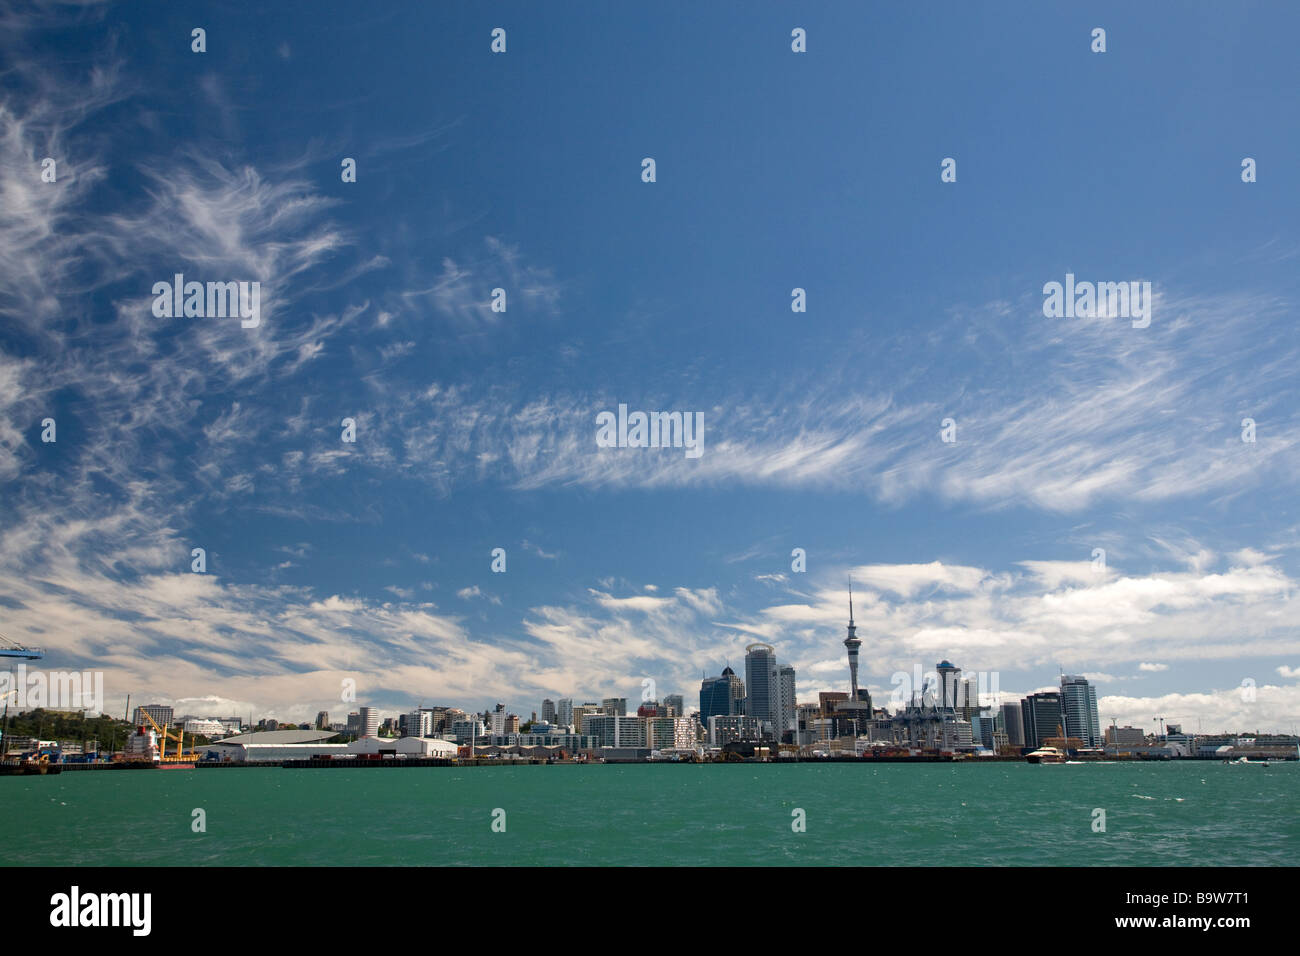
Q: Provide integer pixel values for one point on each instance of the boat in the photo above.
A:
(1046, 755)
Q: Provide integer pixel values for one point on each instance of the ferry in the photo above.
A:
(1046, 755)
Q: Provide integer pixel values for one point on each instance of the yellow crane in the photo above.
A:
(163, 736)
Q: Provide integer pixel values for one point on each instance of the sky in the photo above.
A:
(1098, 512)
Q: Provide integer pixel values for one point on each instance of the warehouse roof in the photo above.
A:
(278, 737)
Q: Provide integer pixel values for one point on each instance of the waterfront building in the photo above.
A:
(727, 729)
(669, 733)
(614, 730)
(1125, 736)
(1043, 718)
(1079, 709)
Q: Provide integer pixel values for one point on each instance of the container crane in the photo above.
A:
(11, 649)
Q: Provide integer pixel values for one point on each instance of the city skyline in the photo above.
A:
(396, 477)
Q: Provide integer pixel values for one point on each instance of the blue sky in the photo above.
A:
(476, 430)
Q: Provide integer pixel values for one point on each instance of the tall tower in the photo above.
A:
(949, 678)
(852, 643)
(761, 679)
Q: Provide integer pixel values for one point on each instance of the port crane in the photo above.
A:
(10, 648)
(166, 735)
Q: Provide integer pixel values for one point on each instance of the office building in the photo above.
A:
(614, 706)
(762, 700)
(548, 711)
(1126, 736)
(723, 696)
(1043, 718)
(1079, 706)
(674, 706)
(1012, 724)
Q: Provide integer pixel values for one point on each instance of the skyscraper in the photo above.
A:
(548, 710)
(785, 699)
(760, 682)
(1013, 725)
(949, 679)
(614, 706)
(1079, 705)
(721, 696)
(1043, 717)
(674, 705)
(564, 712)
(368, 721)
(323, 720)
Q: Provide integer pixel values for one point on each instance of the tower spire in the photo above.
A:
(851, 644)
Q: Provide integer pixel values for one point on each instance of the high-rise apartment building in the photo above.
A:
(564, 712)
(161, 714)
(610, 730)
(786, 703)
(368, 722)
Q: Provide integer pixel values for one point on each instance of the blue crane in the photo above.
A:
(10, 648)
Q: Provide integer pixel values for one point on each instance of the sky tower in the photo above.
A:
(852, 643)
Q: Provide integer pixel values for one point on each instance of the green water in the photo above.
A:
(1176, 814)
